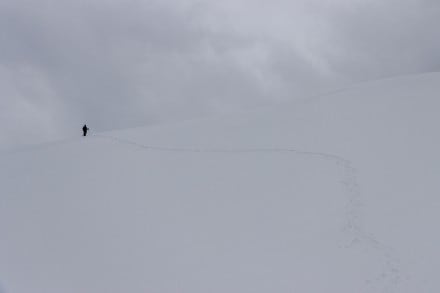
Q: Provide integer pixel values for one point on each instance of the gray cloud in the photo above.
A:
(392, 37)
(116, 64)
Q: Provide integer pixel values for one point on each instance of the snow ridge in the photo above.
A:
(390, 275)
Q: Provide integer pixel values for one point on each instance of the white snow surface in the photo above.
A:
(338, 193)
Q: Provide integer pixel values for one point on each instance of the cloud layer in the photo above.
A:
(122, 63)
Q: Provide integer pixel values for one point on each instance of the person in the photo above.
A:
(85, 129)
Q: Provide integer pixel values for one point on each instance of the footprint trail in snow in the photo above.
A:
(389, 277)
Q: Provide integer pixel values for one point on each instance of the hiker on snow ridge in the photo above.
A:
(85, 129)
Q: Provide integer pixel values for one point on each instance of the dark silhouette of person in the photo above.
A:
(85, 129)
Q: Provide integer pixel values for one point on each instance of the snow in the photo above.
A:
(338, 193)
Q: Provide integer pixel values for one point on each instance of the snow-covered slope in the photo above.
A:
(334, 194)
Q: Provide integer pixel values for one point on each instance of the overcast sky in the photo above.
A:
(122, 63)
